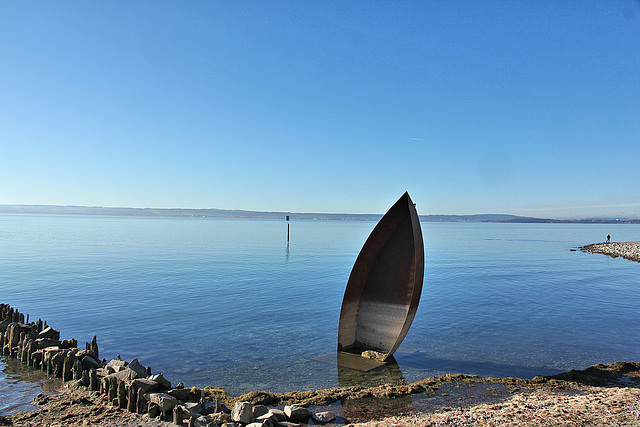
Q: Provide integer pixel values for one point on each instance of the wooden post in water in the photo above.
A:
(287, 228)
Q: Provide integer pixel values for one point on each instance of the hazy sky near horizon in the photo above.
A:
(529, 108)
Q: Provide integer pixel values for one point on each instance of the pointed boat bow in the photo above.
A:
(384, 288)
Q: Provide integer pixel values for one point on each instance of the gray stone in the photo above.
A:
(163, 400)
(68, 343)
(242, 412)
(179, 393)
(268, 420)
(194, 407)
(297, 413)
(135, 366)
(47, 342)
(287, 424)
(124, 375)
(162, 381)
(220, 417)
(259, 410)
(89, 362)
(203, 421)
(113, 363)
(278, 413)
(144, 384)
(49, 332)
(324, 417)
(103, 372)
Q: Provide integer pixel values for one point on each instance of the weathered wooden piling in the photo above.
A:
(132, 398)
(93, 380)
(177, 415)
(67, 365)
(122, 395)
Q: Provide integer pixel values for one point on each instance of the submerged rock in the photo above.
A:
(371, 354)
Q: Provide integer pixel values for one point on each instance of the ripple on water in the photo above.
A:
(21, 384)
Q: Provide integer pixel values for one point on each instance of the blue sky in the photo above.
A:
(530, 108)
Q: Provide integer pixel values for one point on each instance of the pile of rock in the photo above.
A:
(628, 250)
(129, 385)
(246, 414)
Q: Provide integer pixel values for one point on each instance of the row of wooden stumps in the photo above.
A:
(39, 346)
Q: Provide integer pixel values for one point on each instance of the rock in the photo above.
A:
(370, 354)
(287, 424)
(297, 413)
(47, 342)
(268, 419)
(124, 375)
(222, 407)
(89, 362)
(68, 343)
(162, 381)
(163, 400)
(203, 421)
(49, 332)
(216, 407)
(324, 417)
(144, 384)
(194, 407)
(242, 412)
(180, 394)
(259, 410)
(103, 372)
(278, 413)
(113, 363)
(220, 417)
(135, 366)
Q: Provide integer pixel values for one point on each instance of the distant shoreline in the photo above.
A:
(244, 214)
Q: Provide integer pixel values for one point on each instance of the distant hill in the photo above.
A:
(242, 214)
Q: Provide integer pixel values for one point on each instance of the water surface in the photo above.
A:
(229, 303)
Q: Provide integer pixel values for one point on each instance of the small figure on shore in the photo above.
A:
(608, 238)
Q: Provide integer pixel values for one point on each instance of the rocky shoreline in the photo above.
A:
(628, 250)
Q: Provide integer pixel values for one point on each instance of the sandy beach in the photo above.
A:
(628, 250)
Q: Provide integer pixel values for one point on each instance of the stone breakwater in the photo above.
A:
(628, 250)
(130, 385)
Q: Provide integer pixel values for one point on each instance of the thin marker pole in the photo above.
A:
(287, 228)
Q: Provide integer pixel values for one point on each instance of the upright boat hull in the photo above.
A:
(384, 288)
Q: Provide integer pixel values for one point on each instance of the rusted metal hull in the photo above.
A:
(384, 288)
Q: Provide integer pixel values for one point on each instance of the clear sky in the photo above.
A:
(522, 107)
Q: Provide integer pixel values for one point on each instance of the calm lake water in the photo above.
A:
(228, 303)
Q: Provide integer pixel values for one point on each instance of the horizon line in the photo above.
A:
(98, 207)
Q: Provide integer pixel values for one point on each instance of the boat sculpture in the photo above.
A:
(383, 290)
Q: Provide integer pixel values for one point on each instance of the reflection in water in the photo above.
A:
(20, 384)
(354, 370)
(287, 252)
